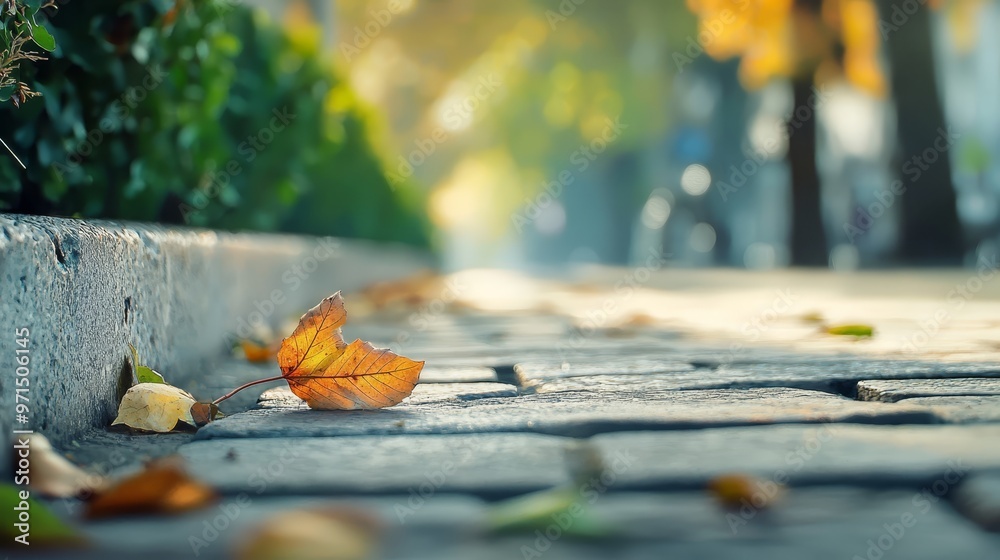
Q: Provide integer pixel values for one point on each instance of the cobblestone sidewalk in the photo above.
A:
(883, 452)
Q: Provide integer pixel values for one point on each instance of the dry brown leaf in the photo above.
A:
(328, 534)
(53, 476)
(162, 488)
(734, 491)
(328, 375)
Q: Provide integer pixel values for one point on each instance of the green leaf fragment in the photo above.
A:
(45, 527)
(43, 38)
(560, 507)
(143, 374)
(852, 330)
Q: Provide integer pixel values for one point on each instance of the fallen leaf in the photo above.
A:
(156, 407)
(410, 291)
(203, 413)
(851, 330)
(327, 374)
(812, 317)
(258, 353)
(561, 506)
(163, 487)
(329, 534)
(43, 527)
(734, 491)
(316, 340)
(53, 476)
(143, 374)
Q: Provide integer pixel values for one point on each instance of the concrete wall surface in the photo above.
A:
(85, 289)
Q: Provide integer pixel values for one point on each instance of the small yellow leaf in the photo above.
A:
(330, 534)
(734, 491)
(258, 353)
(155, 407)
(851, 330)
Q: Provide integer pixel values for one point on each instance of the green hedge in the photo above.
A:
(200, 112)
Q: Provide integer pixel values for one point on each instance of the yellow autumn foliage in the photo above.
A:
(775, 39)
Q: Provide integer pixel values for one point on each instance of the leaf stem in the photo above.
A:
(246, 385)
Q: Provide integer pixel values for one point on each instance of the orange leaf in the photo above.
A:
(733, 491)
(316, 341)
(328, 375)
(258, 353)
(163, 487)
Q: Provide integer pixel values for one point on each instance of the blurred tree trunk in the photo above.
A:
(808, 238)
(930, 231)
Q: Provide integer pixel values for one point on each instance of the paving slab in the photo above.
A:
(423, 393)
(481, 464)
(822, 523)
(962, 409)
(437, 374)
(574, 414)
(847, 454)
(978, 500)
(822, 374)
(892, 390)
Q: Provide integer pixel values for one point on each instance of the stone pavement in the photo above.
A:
(884, 451)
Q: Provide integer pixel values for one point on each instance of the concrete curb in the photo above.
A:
(85, 289)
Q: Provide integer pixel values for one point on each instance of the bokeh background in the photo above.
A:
(530, 134)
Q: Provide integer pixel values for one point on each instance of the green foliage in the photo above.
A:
(203, 113)
(19, 30)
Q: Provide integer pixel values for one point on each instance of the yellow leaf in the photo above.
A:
(258, 353)
(330, 534)
(327, 375)
(155, 407)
